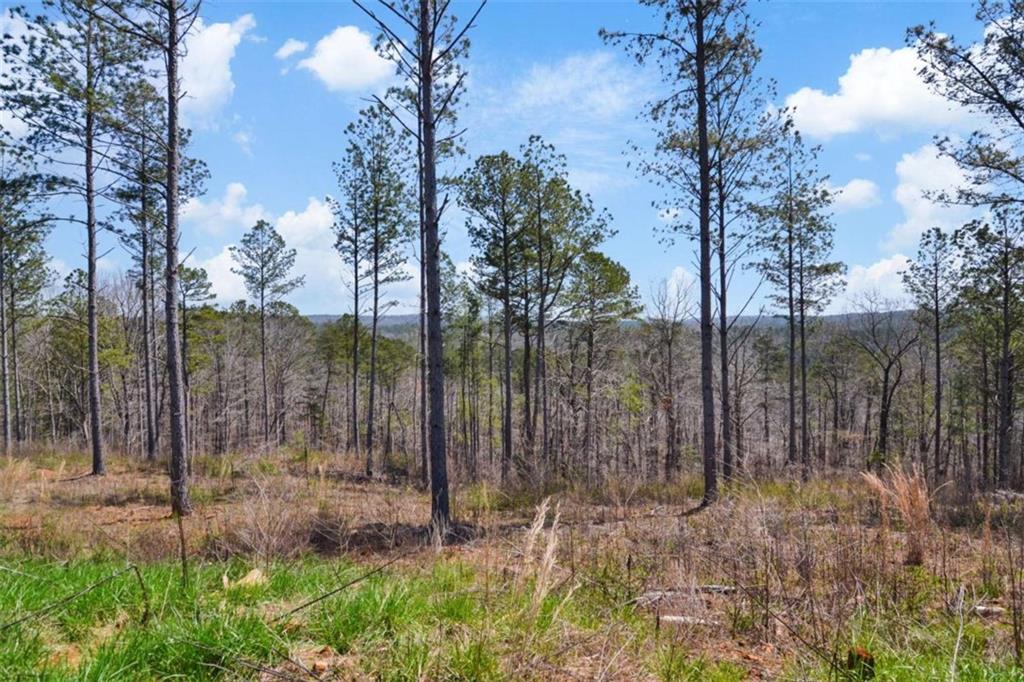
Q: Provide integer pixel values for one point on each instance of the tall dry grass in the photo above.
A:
(906, 492)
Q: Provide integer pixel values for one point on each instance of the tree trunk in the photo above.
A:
(791, 319)
(147, 327)
(180, 503)
(371, 404)
(671, 429)
(15, 373)
(263, 366)
(592, 466)
(937, 338)
(439, 504)
(723, 340)
(424, 462)
(95, 423)
(4, 364)
(506, 421)
(805, 436)
(1005, 389)
(706, 331)
(985, 400)
(883, 421)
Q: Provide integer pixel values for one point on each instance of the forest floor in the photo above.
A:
(298, 569)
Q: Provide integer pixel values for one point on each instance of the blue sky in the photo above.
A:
(269, 124)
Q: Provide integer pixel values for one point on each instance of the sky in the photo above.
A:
(272, 85)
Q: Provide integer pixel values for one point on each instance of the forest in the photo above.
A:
(545, 472)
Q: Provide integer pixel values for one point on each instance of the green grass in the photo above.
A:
(910, 643)
(438, 622)
(672, 663)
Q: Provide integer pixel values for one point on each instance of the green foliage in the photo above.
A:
(264, 264)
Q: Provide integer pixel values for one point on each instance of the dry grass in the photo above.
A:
(906, 493)
(778, 580)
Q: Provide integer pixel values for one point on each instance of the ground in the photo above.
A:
(298, 569)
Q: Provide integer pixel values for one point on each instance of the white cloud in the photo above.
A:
(310, 228)
(880, 90)
(593, 85)
(680, 281)
(919, 172)
(885, 276)
(857, 193)
(290, 47)
(227, 286)
(863, 157)
(231, 210)
(593, 181)
(206, 69)
(345, 60)
(310, 232)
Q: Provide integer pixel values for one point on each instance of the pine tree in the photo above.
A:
(265, 265)
(561, 224)
(931, 281)
(373, 226)
(429, 61)
(992, 290)
(695, 45)
(795, 240)
(491, 193)
(601, 296)
(67, 74)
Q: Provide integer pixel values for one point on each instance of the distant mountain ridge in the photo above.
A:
(768, 320)
(383, 321)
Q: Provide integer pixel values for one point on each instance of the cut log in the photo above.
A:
(686, 620)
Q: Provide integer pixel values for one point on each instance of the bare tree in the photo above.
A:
(885, 334)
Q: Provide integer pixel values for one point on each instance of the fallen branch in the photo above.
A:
(654, 596)
(684, 620)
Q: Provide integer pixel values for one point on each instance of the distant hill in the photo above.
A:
(383, 321)
(395, 323)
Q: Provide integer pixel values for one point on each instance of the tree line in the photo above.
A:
(538, 362)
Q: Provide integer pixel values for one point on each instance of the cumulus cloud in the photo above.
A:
(680, 281)
(920, 172)
(880, 90)
(307, 231)
(227, 286)
(206, 70)
(230, 211)
(345, 60)
(584, 104)
(310, 227)
(290, 47)
(885, 276)
(207, 81)
(856, 194)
